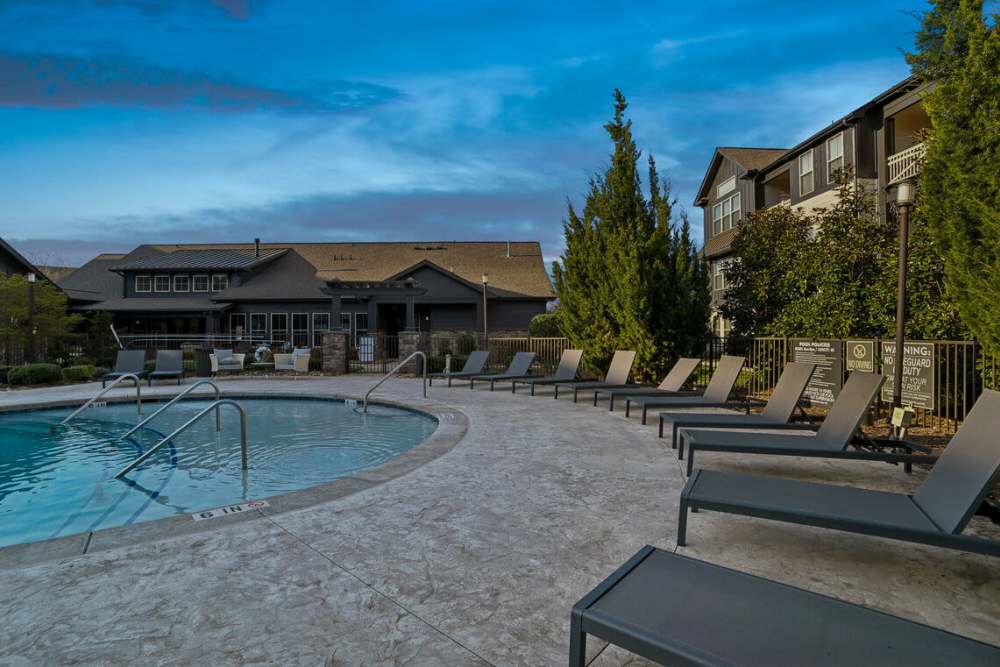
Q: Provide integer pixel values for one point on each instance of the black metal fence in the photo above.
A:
(373, 353)
(962, 370)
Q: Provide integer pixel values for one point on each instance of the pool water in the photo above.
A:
(59, 480)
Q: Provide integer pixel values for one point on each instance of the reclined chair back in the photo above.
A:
(130, 361)
(620, 368)
(724, 379)
(679, 374)
(788, 391)
(849, 409)
(169, 360)
(569, 362)
(520, 364)
(967, 469)
(476, 361)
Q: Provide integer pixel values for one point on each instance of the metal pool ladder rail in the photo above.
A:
(397, 367)
(214, 406)
(119, 379)
(176, 398)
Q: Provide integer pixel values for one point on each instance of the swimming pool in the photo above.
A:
(59, 480)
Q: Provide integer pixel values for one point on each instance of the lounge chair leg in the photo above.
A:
(577, 639)
(628, 405)
(575, 394)
(682, 520)
(644, 409)
(532, 389)
(555, 394)
(661, 426)
(690, 458)
(595, 399)
(472, 384)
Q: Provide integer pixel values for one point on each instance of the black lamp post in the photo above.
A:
(486, 328)
(904, 202)
(31, 318)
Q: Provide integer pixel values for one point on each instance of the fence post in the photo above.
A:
(336, 348)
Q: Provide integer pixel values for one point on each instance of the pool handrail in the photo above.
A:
(183, 427)
(115, 382)
(385, 377)
(176, 398)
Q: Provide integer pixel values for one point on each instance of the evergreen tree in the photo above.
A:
(629, 279)
(958, 53)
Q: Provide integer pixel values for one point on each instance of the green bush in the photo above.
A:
(35, 374)
(466, 344)
(546, 325)
(81, 373)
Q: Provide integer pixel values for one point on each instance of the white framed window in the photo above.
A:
(220, 281)
(300, 329)
(726, 213)
(182, 283)
(320, 325)
(144, 283)
(807, 183)
(199, 283)
(161, 283)
(719, 278)
(279, 327)
(726, 186)
(834, 156)
(237, 325)
(258, 326)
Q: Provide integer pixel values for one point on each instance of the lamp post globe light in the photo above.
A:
(905, 197)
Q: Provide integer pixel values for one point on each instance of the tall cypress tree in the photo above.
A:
(629, 279)
(958, 53)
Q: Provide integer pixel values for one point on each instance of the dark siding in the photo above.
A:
(514, 315)
(745, 187)
(453, 316)
(8, 265)
(443, 288)
(820, 181)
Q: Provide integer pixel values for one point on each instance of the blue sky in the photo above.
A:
(129, 121)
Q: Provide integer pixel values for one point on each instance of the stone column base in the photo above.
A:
(336, 348)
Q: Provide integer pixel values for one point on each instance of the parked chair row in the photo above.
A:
(169, 366)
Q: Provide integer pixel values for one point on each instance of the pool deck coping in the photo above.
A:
(451, 428)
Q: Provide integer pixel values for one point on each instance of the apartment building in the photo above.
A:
(879, 142)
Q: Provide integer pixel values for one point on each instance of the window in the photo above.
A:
(143, 284)
(220, 281)
(300, 329)
(725, 214)
(182, 283)
(258, 326)
(726, 186)
(321, 324)
(199, 284)
(834, 156)
(279, 327)
(806, 182)
(237, 325)
(719, 271)
(360, 325)
(161, 284)
(345, 321)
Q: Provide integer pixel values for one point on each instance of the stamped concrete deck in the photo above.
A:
(475, 557)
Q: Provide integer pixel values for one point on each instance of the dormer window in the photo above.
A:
(199, 283)
(144, 283)
(161, 284)
(220, 281)
(726, 186)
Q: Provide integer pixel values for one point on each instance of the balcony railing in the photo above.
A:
(906, 163)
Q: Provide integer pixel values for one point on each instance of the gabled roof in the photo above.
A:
(289, 277)
(751, 159)
(426, 263)
(94, 281)
(27, 266)
(200, 260)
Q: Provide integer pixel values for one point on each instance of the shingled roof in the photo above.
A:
(750, 159)
(522, 273)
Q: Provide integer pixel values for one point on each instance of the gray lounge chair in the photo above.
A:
(671, 385)
(676, 610)
(127, 361)
(569, 362)
(716, 394)
(473, 366)
(831, 440)
(617, 376)
(169, 366)
(936, 514)
(518, 368)
(776, 414)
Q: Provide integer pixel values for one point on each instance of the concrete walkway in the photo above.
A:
(476, 557)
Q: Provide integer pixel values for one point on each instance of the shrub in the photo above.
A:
(82, 373)
(35, 374)
(546, 325)
(466, 344)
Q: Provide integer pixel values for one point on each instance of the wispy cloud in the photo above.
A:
(66, 82)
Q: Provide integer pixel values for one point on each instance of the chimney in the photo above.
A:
(256, 247)
(508, 249)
